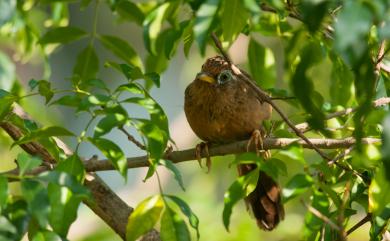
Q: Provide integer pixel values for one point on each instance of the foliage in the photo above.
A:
(331, 55)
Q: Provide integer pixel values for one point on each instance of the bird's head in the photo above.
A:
(216, 71)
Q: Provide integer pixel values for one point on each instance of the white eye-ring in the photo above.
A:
(225, 76)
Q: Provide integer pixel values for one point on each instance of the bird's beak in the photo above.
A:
(205, 77)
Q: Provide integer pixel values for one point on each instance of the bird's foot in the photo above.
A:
(199, 149)
(257, 140)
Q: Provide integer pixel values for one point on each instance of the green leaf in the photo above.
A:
(233, 19)
(64, 207)
(68, 100)
(73, 166)
(27, 162)
(87, 64)
(297, 185)
(62, 35)
(303, 86)
(314, 224)
(186, 210)
(341, 83)
(130, 11)
(6, 101)
(113, 152)
(386, 146)
(259, 59)
(378, 192)
(35, 194)
(121, 49)
(107, 123)
(175, 171)
(131, 72)
(46, 236)
(144, 217)
(154, 78)
(3, 191)
(313, 13)
(65, 180)
(44, 90)
(152, 26)
(379, 224)
(43, 133)
(173, 227)
(173, 37)
(132, 88)
(205, 17)
(237, 191)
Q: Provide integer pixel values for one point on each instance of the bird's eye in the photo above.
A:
(224, 76)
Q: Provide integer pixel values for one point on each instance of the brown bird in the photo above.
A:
(221, 108)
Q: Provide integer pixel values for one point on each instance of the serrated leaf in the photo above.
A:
(43, 133)
(175, 171)
(27, 162)
(204, 19)
(3, 191)
(297, 185)
(121, 49)
(107, 123)
(73, 166)
(113, 152)
(87, 64)
(62, 35)
(186, 210)
(130, 11)
(237, 191)
(144, 217)
(233, 19)
(173, 227)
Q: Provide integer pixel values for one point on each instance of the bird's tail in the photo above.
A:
(265, 200)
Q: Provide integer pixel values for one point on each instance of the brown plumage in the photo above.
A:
(222, 108)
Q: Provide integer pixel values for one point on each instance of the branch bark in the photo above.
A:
(106, 204)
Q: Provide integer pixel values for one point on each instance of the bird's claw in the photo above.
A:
(257, 140)
(198, 154)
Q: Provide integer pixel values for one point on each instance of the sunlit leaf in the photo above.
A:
(107, 123)
(237, 191)
(130, 11)
(204, 19)
(378, 194)
(233, 19)
(72, 165)
(173, 227)
(144, 217)
(6, 101)
(113, 152)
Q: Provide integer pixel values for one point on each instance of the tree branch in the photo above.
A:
(106, 204)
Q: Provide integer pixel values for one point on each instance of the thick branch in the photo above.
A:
(106, 204)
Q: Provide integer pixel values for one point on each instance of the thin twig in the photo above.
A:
(283, 98)
(321, 216)
(264, 97)
(132, 138)
(366, 219)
